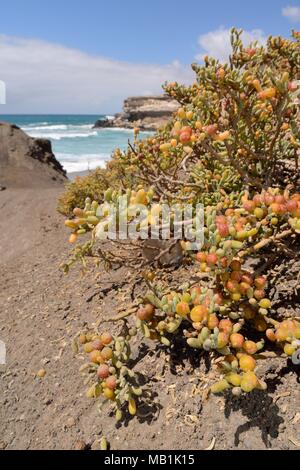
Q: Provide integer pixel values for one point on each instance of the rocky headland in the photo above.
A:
(148, 113)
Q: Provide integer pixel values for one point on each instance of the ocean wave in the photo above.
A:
(33, 124)
(62, 135)
(74, 163)
(83, 126)
(57, 127)
(42, 127)
(125, 131)
(117, 129)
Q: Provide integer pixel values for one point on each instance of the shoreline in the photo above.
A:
(74, 139)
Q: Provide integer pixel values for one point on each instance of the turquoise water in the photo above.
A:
(75, 143)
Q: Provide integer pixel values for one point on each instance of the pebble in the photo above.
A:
(71, 422)
(41, 373)
(81, 445)
(48, 401)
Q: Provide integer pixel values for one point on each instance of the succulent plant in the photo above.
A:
(232, 146)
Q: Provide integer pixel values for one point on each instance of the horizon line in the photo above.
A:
(55, 114)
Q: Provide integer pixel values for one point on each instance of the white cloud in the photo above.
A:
(292, 13)
(46, 78)
(2, 92)
(217, 43)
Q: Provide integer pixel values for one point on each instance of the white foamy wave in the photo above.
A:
(118, 129)
(76, 163)
(46, 128)
(123, 130)
(33, 124)
(57, 127)
(110, 118)
(83, 126)
(62, 135)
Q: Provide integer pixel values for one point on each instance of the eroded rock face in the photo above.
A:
(151, 106)
(149, 113)
(25, 161)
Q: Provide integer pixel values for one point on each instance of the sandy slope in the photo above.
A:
(41, 310)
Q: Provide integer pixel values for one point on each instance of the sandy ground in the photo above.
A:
(40, 312)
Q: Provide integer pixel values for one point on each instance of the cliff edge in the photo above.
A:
(148, 113)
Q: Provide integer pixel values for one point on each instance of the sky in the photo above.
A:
(75, 56)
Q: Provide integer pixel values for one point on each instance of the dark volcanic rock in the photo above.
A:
(103, 123)
(27, 162)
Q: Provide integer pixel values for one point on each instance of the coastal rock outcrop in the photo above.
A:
(103, 123)
(149, 113)
(25, 161)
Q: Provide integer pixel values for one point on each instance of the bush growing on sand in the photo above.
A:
(92, 186)
(234, 147)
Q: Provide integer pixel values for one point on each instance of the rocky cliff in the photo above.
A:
(146, 112)
(27, 162)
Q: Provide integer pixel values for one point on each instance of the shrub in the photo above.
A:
(92, 186)
(232, 146)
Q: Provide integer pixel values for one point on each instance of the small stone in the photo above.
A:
(81, 445)
(41, 373)
(48, 401)
(70, 422)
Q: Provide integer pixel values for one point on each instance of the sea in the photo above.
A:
(77, 146)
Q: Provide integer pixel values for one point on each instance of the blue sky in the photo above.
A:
(80, 56)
